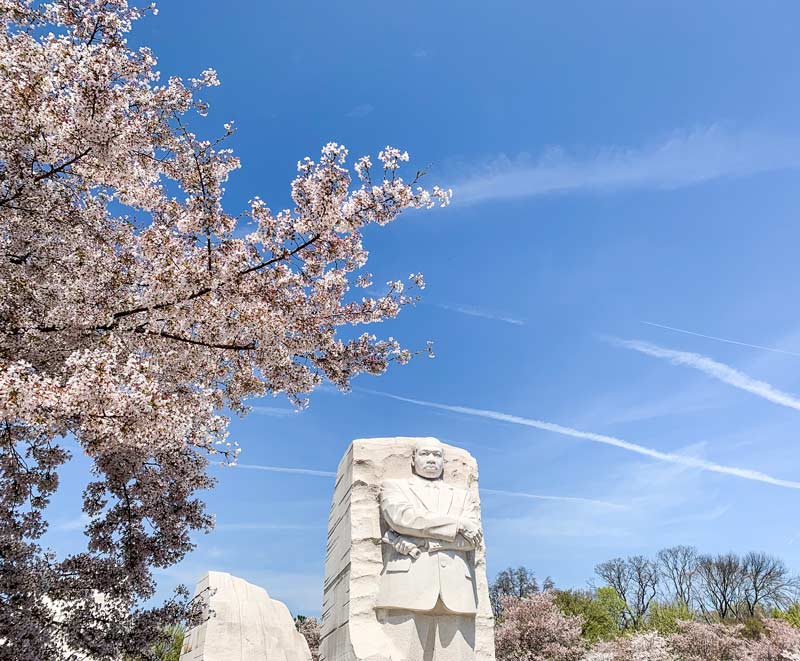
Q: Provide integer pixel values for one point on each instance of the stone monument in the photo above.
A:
(242, 623)
(405, 571)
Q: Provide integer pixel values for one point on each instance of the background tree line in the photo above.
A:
(679, 582)
(680, 605)
(713, 588)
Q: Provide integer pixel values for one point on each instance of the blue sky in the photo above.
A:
(612, 164)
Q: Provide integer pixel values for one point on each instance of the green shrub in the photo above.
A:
(790, 615)
(168, 649)
(601, 611)
(664, 618)
(753, 628)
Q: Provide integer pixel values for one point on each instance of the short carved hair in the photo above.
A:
(428, 442)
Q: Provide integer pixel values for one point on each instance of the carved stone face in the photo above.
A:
(429, 459)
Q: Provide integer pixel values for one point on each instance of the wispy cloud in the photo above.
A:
(477, 312)
(699, 516)
(684, 460)
(714, 369)
(685, 159)
(510, 531)
(273, 411)
(319, 473)
(665, 407)
(420, 52)
(626, 405)
(285, 469)
(568, 499)
(661, 497)
(722, 339)
(361, 110)
(78, 523)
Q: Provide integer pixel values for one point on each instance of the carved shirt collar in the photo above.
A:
(424, 482)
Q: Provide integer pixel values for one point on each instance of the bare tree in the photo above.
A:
(635, 580)
(720, 585)
(519, 582)
(615, 573)
(766, 582)
(678, 567)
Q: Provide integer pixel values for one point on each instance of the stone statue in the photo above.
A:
(427, 593)
(405, 570)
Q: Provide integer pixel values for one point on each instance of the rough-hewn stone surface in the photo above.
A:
(350, 627)
(242, 624)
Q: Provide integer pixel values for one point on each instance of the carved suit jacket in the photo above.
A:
(427, 513)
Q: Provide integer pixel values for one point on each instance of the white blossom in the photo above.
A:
(131, 315)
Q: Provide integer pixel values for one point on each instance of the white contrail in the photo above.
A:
(722, 339)
(691, 462)
(284, 469)
(684, 159)
(499, 492)
(535, 496)
(477, 312)
(719, 371)
(273, 411)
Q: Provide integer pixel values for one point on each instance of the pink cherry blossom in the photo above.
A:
(135, 307)
(534, 629)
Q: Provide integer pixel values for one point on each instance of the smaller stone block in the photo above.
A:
(242, 623)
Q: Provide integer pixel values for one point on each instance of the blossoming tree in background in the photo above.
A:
(595, 625)
(310, 628)
(532, 628)
(134, 308)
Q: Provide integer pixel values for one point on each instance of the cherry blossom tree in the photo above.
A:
(534, 629)
(696, 641)
(780, 642)
(134, 308)
(310, 628)
(640, 646)
(701, 641)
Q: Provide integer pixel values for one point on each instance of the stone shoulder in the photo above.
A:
(395, 481)
(406, 482)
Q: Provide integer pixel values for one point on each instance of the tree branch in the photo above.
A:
(46, 175)
(60, 168)
(211, 345)
(286, 254)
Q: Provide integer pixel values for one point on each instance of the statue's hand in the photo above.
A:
(401, 545)
(406, 548)
(471, 533)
